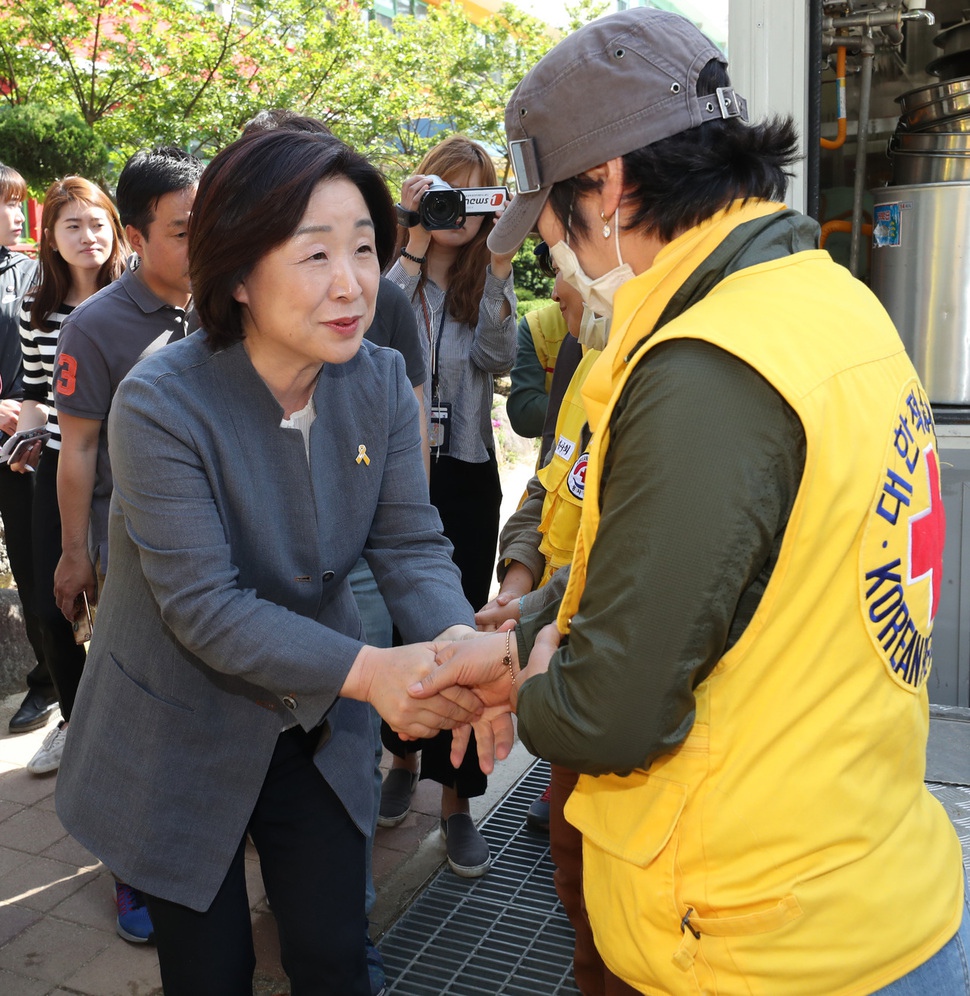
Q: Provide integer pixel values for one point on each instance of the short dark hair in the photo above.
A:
(277, 117)
(252, 198)
(148, 176)
(685, 179)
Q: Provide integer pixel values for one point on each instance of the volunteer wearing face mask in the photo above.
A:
(535, 550)
(750, 607)
(536, 544)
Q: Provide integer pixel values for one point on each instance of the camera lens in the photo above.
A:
(441, 209)
(441, 206)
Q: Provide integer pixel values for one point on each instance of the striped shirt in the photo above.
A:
(39, 349)
(465, 358)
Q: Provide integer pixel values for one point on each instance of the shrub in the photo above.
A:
(44, 145)
(530, 281)
(531, 304)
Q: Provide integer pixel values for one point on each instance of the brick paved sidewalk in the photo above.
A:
(57, 929)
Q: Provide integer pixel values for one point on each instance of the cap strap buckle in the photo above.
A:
(525, 166)
(732, 104)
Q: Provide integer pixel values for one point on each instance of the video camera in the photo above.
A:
(443, 206)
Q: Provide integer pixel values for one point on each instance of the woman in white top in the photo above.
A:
(82, 249)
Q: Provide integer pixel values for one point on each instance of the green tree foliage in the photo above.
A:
(45, 145)
(583, 11)
(164, 72)
(77, 76)
(140, 74)
(434, 76)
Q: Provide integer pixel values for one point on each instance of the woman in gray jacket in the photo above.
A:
(253, 463)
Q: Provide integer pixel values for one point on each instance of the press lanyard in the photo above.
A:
(434, 342)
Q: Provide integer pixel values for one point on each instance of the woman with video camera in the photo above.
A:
(464, 303)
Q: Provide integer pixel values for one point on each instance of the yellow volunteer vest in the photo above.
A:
(789, 846)
(548, 329)
(564, 476)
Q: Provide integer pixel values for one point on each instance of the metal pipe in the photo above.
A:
(838, 226)
(868, 57)
(876, 19)
(814, 124)
(893, 34)
(839, 140)
(864, 19)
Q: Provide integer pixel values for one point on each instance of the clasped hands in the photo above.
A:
(477, 664)
(459, 682)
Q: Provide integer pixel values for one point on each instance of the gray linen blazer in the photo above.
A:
(227, 597)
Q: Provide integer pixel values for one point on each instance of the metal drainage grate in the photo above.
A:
(956, 802)
(504, 934)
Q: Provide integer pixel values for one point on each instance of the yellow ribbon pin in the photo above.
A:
(362, 454)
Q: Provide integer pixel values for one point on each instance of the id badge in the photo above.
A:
(439, 435)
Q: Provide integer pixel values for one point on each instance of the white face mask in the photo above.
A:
(594, 330)
(598, 293)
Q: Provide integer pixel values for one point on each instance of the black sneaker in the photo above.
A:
(468, 853)
(537, 818)
(396, 792)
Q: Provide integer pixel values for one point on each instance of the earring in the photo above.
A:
(607, 231)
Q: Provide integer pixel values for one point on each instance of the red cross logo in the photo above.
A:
(927, 533)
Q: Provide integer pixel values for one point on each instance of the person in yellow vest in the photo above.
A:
(545, 360)
(538, 539)
(540, 334)
(535, 550)
(738, 666)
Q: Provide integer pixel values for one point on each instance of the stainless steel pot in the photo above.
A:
(930, 167)
(950, 67)
(920, 270)
(923, 141)
(930, 104)
(955, 39)
(946, 125)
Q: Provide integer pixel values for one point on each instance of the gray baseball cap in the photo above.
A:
(617, 84)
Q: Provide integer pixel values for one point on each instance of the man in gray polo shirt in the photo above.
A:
(142, 311)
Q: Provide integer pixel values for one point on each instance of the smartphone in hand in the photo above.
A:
(13, 449)
(83, 624)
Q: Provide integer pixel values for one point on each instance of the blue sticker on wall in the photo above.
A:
(886, 226)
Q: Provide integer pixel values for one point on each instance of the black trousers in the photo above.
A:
(312, 860)
(16, 501)
(468, 497)
(65, 659)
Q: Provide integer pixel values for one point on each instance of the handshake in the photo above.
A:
(463, 681)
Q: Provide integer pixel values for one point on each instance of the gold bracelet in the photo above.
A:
(507, 659)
